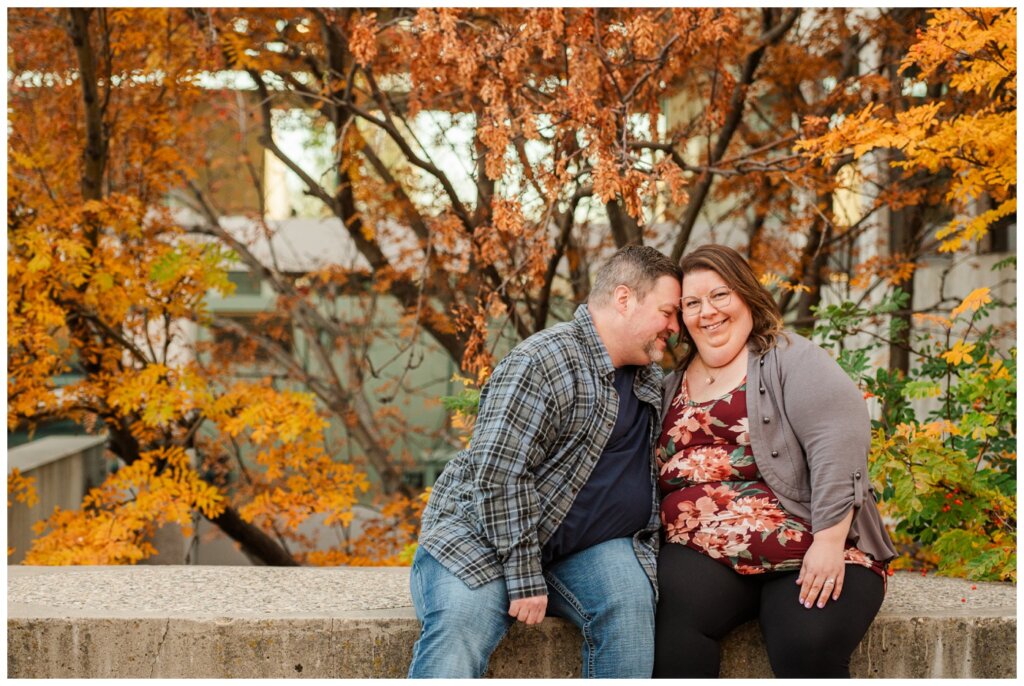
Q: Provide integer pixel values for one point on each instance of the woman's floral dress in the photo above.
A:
(715, 500)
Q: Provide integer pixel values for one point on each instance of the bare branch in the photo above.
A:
(737, 101)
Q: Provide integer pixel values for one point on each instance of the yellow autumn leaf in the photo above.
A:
(999, 371)
(21, 488)
(939, 428)
(959, 353)
(977, 298)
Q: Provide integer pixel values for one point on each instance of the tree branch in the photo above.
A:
(699, 193)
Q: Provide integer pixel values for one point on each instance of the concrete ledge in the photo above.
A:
(44, 451)
(261, 622)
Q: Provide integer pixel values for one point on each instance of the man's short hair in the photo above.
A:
(637, 267)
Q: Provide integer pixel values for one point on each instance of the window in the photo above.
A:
(1002, 236)
(246, 283)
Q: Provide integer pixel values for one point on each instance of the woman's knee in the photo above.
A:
(795, 661)
(818, 642)
(802, 645)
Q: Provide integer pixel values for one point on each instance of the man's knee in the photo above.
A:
(457, 641)
(463, 616)
(609, 588)
(630, 616)
(461, 626)
(625, 585)
(613, 567)
(607, 570)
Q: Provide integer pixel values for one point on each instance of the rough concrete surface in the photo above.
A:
(263, 622)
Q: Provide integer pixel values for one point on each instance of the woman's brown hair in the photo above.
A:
(739, 277)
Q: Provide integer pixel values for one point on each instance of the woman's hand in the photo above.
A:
(823, 569)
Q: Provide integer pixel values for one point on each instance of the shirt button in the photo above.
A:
(765, 420)
(775, 453)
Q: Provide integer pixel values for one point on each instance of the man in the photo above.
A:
(552, 509)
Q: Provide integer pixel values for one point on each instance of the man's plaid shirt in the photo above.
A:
(545, 417)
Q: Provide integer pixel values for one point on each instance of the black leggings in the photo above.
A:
(701, 600)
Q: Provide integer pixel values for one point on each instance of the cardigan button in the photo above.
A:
(856, 475)
(760, 389)
(765, 420)
(775, 453)
(762, 361)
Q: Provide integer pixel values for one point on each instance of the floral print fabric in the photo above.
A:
(714, 499)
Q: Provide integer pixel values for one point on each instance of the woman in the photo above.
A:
(766, 507)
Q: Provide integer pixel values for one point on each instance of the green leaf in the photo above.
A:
(922, 389)
(1004, 263)
(167, 268)
(467, 402)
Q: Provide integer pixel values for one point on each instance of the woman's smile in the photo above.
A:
(715, 326)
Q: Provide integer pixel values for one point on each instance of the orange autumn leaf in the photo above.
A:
(974, 300)
(478, 163)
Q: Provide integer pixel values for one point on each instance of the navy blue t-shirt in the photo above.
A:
(616, 500)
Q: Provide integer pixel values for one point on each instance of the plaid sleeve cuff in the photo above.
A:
(524, 577)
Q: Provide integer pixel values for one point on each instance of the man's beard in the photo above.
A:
(653, 351)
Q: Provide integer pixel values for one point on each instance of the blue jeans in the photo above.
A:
(603, 590)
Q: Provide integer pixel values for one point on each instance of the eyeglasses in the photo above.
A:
(717, 298)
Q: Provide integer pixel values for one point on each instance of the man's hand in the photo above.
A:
(529, 610)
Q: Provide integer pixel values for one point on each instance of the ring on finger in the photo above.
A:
(830, 581)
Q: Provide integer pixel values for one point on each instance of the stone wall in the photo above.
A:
(350, 622)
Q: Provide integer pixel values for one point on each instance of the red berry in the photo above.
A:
(974, 587)
(958, 502)
(963, 600)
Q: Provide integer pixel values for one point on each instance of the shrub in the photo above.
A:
(943, 448)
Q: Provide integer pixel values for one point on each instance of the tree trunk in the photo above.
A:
(624, 228)
(95, 156)
(816, 261)
(904, 225)
(252, 539)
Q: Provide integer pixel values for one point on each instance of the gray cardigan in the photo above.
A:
(810, 433)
